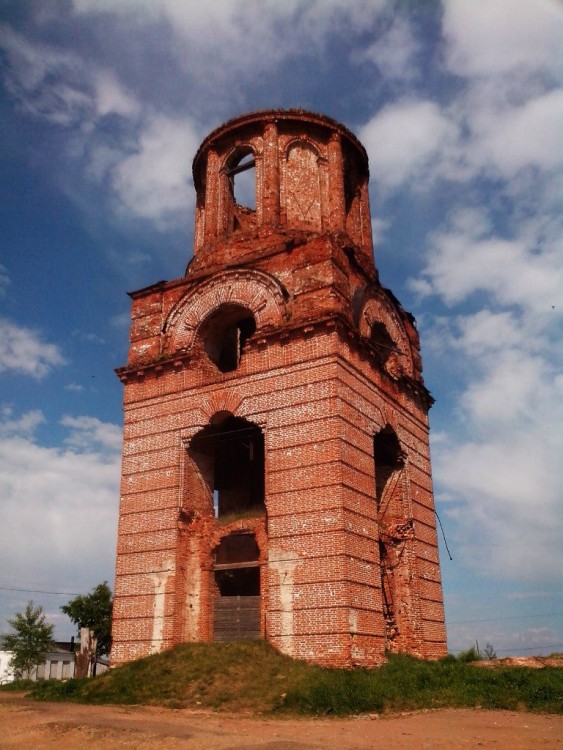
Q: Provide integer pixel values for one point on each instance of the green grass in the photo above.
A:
(254, 677)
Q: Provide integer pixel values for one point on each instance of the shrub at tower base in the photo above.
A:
(255, 677)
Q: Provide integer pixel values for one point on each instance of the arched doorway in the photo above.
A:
(236, 571)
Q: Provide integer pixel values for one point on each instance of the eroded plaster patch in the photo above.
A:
(159, 579)
(284, 563)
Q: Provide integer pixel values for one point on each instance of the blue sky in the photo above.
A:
(460, 106)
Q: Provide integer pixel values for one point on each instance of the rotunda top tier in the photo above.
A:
(280, 172)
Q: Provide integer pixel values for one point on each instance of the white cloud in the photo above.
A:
(524, 270)
(514, 389)
(23, 351)
(518, 137)
(215, 41)
(74, 387)
(507, 488)
(59, 507)
(89, 433)
(403, 140)
(112, 98)
(498, 471)
(155, 182)
(492, 37)
(24, 425)
(394, 51)
(148, 166)
(46, 82)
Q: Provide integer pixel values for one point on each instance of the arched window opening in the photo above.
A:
(388, 464)
(389, 461)
(230, 457)
(382, 343)
(225, 333)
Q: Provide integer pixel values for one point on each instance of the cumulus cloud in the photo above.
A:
(86, 433)
(46, 82)
(24, 425)
(23, 351)
(59, 502)
(394, 52)
(466, 258)
(403, 140)
(154, 182)
(74, 387)
(505, 492)
(147, 162)
(512, 138)
(498, 471)
(111, 96)
(490, 38)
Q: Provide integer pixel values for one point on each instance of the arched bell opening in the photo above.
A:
(240, 172)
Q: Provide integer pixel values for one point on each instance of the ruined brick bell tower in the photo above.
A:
(276, 473)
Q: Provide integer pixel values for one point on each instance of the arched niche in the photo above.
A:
(383, 329)
(302, 186)
(239, 188)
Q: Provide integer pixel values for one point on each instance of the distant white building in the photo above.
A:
(6, 674)
(59, 664)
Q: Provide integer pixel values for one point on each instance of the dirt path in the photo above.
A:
(25, 725)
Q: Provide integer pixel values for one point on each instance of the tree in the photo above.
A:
(470, 655)
(32, 639)
(93, 611)
(490, 652)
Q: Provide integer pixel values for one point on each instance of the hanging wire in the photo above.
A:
(443, 534)
(495, 619)
(528, 648)
(39, 591)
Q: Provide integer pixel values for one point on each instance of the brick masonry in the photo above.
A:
(279, 343)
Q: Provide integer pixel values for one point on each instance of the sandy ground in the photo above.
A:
(25, 725)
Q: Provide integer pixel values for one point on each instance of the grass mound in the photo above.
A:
(252, 676)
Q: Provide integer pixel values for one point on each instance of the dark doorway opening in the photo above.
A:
(237, 588)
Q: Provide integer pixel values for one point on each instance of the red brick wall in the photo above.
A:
(312, 382)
